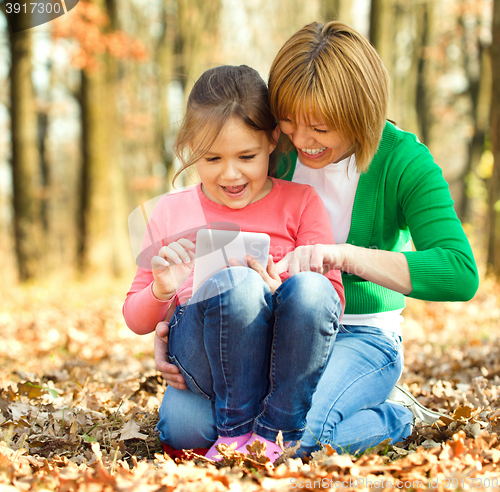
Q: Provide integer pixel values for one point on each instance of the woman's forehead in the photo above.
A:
(306, 113)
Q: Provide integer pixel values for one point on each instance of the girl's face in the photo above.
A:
(316, 144)
(234, 171)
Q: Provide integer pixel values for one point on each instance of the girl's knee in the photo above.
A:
(311, 291)
(243, 285)
(235, 284)
(306, 283)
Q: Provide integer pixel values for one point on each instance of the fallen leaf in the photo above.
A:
(131, 431)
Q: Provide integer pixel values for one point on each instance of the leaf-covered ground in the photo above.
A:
(79, 396)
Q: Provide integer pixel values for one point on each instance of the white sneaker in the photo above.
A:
(421, 414)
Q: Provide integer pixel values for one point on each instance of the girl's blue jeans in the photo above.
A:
(257, 356)
(263, 362)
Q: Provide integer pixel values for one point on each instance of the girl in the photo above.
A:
(253, 345)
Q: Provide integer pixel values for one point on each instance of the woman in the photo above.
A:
(329, 92)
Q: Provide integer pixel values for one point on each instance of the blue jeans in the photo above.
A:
(257, 356)
(348, 410)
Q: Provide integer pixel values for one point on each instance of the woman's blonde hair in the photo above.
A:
(332, 73)
(220, 94)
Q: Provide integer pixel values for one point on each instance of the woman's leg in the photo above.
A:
(307, 309)
(221, 343)
(349, 409)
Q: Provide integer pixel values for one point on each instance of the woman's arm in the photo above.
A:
(170, 372)
(417, 198)
(386, 268)
(442, 265)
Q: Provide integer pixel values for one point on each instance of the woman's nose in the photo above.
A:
(301, 137)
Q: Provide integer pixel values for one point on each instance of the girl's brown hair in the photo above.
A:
(219, 94)
(332, 73)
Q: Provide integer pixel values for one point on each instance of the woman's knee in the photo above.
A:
(187, 420)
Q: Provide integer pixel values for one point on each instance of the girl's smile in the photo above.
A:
(235, 190)
(234, 170)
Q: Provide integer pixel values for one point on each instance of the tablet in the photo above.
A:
(214, 249)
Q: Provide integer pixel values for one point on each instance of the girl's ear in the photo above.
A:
(276, 136)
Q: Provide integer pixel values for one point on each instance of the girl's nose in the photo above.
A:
(230, 171)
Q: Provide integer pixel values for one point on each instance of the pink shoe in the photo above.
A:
(273, 451)
(213, 454)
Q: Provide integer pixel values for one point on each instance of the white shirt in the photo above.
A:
(336, 184)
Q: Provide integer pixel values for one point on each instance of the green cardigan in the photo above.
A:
(404, 192)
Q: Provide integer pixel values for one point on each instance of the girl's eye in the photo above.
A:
(320, 131)
(247, 157)
(212, 159)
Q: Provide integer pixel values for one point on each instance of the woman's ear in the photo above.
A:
(276, 136)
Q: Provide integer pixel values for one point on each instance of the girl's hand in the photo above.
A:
(172, 267)
(269, 275)
(170, 372)
(319, 258)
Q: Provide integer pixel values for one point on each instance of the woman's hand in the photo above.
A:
(386, 268)
(319, 258)
(171, 267)
(268, 274)
(170, 372)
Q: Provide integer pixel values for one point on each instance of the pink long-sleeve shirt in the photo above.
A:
(292, 214)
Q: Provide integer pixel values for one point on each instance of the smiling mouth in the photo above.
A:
(234, 190)
(313, 151)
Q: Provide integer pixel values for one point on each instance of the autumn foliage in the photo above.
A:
(88, 28)
(79, 396)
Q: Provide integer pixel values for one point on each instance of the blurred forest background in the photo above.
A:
(90, 103)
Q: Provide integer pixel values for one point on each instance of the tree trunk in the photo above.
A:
(165, 67)
(399, 51)
(197, 35)
(494, 185)
(198, 26)
(382, 15)
(336, 10)
(424, 71)
(478, 71)
(25, 160)
(404, 72)
(102, 220)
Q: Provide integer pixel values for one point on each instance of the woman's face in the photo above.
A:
(316, 144)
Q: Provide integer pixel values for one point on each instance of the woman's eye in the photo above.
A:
(212, 159)
(248, 157)
(320, 131)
